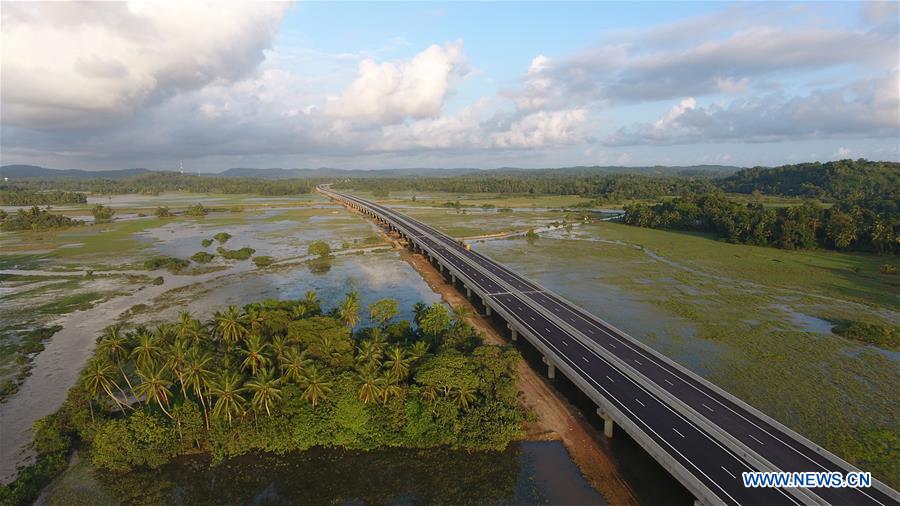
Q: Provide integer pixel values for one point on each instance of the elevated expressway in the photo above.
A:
(702, 435)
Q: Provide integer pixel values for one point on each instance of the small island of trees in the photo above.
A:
(282, 376)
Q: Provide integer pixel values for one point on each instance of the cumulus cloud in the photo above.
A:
(388, 92)
(868, 108)
(76, 64)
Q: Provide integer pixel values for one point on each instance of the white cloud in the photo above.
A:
(389, 92)
(85, 63)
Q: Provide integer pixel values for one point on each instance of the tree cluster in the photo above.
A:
(285, 375)
(22, 197)
(34, 219)
(846, 225)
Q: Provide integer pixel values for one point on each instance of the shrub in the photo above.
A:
(202, 257)
(883, 336)
(222, 237)
(206, 242)
(162, 212)
(102, 213)
(236, 254)
(263, 261)
(169, 263)
(888, 269)
(319, 248)
(196, 210)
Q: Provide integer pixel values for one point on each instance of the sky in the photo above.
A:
(385, 85)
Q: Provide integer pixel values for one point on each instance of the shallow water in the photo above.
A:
(525, 473)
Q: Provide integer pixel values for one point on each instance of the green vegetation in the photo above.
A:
(798, 227)
(202, 257)
(102, 213)
(883, 336)
(319, 248)
(531, 235)
(157, 182)
(222, 237)
(236, 254)
(23, 346)
(163, 212)
(206, 242)
(34, 219)
(53, 442)
(281, 376)
(171, 264)
(196, 210)
(22, 197)
(263, 261)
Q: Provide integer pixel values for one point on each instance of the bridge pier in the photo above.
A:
(487, 309)
(515, 335)
(468, 293)
(608, 423)
(453, 278)
(551, 368)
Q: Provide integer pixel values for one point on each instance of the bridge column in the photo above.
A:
(468, 292)
(487, 309)
(453, 278)
(551, 368)
(608, 423)
(515, 335)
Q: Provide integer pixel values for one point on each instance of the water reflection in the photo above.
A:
(526, 473)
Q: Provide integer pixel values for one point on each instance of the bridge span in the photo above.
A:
(701, 434)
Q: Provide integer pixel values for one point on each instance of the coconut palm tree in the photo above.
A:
(265, 390)
(372, 385)
(229, 402)
(165, 333)
(349, 310)
(198, 375)
(368, 354)
(294, 365)
(463, 396)
(398, 363)
(176, 361)
(147, 349)
(97, 378)
(190, 329)
(154, 386)
(254, 352)
(115, 346)
(317, 386)
(418, 351)
(231, 324)
(255, 320)
(391, 389)
(280, 345)
(313, 304)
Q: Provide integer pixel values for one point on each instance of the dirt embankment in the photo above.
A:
(556, 418)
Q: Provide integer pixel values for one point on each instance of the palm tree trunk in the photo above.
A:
(131, 388)
(159, 401)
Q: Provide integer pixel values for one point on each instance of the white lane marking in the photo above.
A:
(548, 330)
(729, 472)
(676, 432)
(586, 361)
(669, 382)
(612, 345)
(532, 317)
(636, 361)
(757, 440)
(565, 343)
(591, 331)
(705, 406)
(610, 379)
(641, 403)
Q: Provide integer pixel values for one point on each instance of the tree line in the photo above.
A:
(34, 219)
(21, 197)
(286, 375)
(157, 182)
(855, 225)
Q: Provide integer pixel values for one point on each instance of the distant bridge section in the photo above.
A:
(704, 436)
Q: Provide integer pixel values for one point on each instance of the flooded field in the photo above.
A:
(526, 473)
(716, 308)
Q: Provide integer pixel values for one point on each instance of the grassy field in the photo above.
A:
(753, 320)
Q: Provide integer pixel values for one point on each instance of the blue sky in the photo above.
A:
(379, 85)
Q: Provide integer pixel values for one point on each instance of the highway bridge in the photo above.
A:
(701, 434)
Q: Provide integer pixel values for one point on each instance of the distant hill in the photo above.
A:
(32, 171)
(26, 171)
(841, 179)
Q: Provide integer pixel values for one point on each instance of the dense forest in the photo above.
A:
(20, 197)
(34, 218)
(281, 376)
(846, 225)
(608, 187)
(156, 182)
(853, 180)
